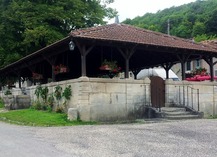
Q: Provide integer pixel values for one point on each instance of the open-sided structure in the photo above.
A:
(132, 48)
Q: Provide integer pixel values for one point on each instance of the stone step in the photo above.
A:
(173, 109)
(177, 113)
(179, 117)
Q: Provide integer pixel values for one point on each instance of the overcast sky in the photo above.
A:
(133, 8)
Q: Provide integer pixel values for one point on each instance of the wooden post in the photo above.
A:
(127, 55)
(84, 52)
(53, 74)
(183, 58)
(167, 67)
(20, 86)
(209, 60)
(183, 70)
(51, 61)
(83, 65)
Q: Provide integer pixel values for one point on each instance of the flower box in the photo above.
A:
(110, 66)
(60, 69)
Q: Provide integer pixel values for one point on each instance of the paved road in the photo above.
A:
(192, 138)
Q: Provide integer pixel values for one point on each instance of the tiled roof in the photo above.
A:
(131, 34)
(210, 43)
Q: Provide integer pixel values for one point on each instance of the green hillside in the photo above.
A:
(196, 20)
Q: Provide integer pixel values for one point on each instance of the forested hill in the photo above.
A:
(196, 20)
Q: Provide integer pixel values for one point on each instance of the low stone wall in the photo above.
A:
(185, 93)
(101, 99)
(16, 102)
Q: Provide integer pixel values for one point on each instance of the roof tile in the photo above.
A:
(131, 34)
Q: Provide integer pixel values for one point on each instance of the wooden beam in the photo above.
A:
(209, 60)
(127, 54)
(84, 52)
(167, 67)
(183, 59)
(51, 61)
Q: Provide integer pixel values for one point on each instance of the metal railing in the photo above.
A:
(193, 97)
(189, 97)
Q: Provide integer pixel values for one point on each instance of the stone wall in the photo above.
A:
(14, 102)
(101, 99)
(185, 93)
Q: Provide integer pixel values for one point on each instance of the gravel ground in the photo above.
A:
(190, 138)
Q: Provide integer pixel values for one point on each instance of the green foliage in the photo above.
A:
(194, 20)
(39, 118)
(2, 105)
(42, 92)
(58, 92)
(26, 26)
(38, 91)
(8, 92)
(36, 105)
(48, 99)
(203, 37)
(67, 93)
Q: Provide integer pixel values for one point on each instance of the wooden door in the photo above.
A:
(157, 92)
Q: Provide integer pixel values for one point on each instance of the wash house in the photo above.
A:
(98, 92)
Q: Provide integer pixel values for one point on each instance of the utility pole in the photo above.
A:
(168, 26)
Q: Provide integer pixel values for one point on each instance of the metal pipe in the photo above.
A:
(198, 102)
(192, 98)
(184, 95)
(187, 97)
(179, 96)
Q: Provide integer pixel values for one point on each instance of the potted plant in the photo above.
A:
(60, 69)
(200, 71)
(110, 66)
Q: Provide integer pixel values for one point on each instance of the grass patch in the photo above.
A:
(39, 118)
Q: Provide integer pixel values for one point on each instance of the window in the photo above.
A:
(188, 66)
(215, 72)
(197, 64)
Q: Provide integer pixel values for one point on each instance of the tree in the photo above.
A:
(28, 25)
(189, 20)
(198, 29)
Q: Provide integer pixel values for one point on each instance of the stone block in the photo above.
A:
(72, 114)
(84, 112)
(9, 101)
(16, 102)
(100, 98)
(22, 101)
(118, 98)
(115, 88)
(98, 87)
(103, 112)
